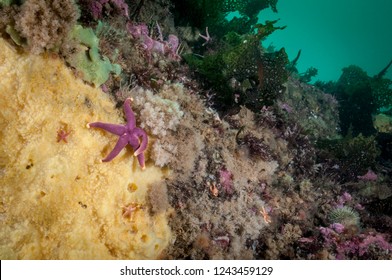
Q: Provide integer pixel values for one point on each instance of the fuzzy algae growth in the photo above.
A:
(57, 200)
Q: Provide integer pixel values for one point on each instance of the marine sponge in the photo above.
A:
(160, 116)
(57, 200)
(86, 59)
(45, 24)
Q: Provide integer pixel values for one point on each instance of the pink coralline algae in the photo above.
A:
(128, 133)
(373, 240)
(339, 228)
(343, 199)
(346, 247)
(369, 176)
(96, 7)
(286, 107)
(226, 180)
(169, 48)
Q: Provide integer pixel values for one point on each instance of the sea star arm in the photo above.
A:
(206, 37)
(116, 129)
(121, 143)
(129, 114)
(140, 133)
(140, 158)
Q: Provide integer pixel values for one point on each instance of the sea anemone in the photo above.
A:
(346, 216)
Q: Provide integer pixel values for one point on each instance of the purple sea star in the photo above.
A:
(129, 134)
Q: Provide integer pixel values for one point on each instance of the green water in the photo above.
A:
(333, 34)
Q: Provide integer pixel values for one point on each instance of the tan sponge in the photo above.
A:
(57, 200)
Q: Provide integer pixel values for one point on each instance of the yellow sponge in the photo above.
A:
(58, 201)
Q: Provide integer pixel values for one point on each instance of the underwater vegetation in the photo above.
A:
(348, 153)
(202, 13)
(360, 97)
(241, 70)
(232, 155)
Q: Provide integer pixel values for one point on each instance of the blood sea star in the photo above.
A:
(128, 133)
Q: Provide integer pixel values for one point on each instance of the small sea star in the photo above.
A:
(128, 133)
(130, 209)
(265, 215)
(62, 135)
